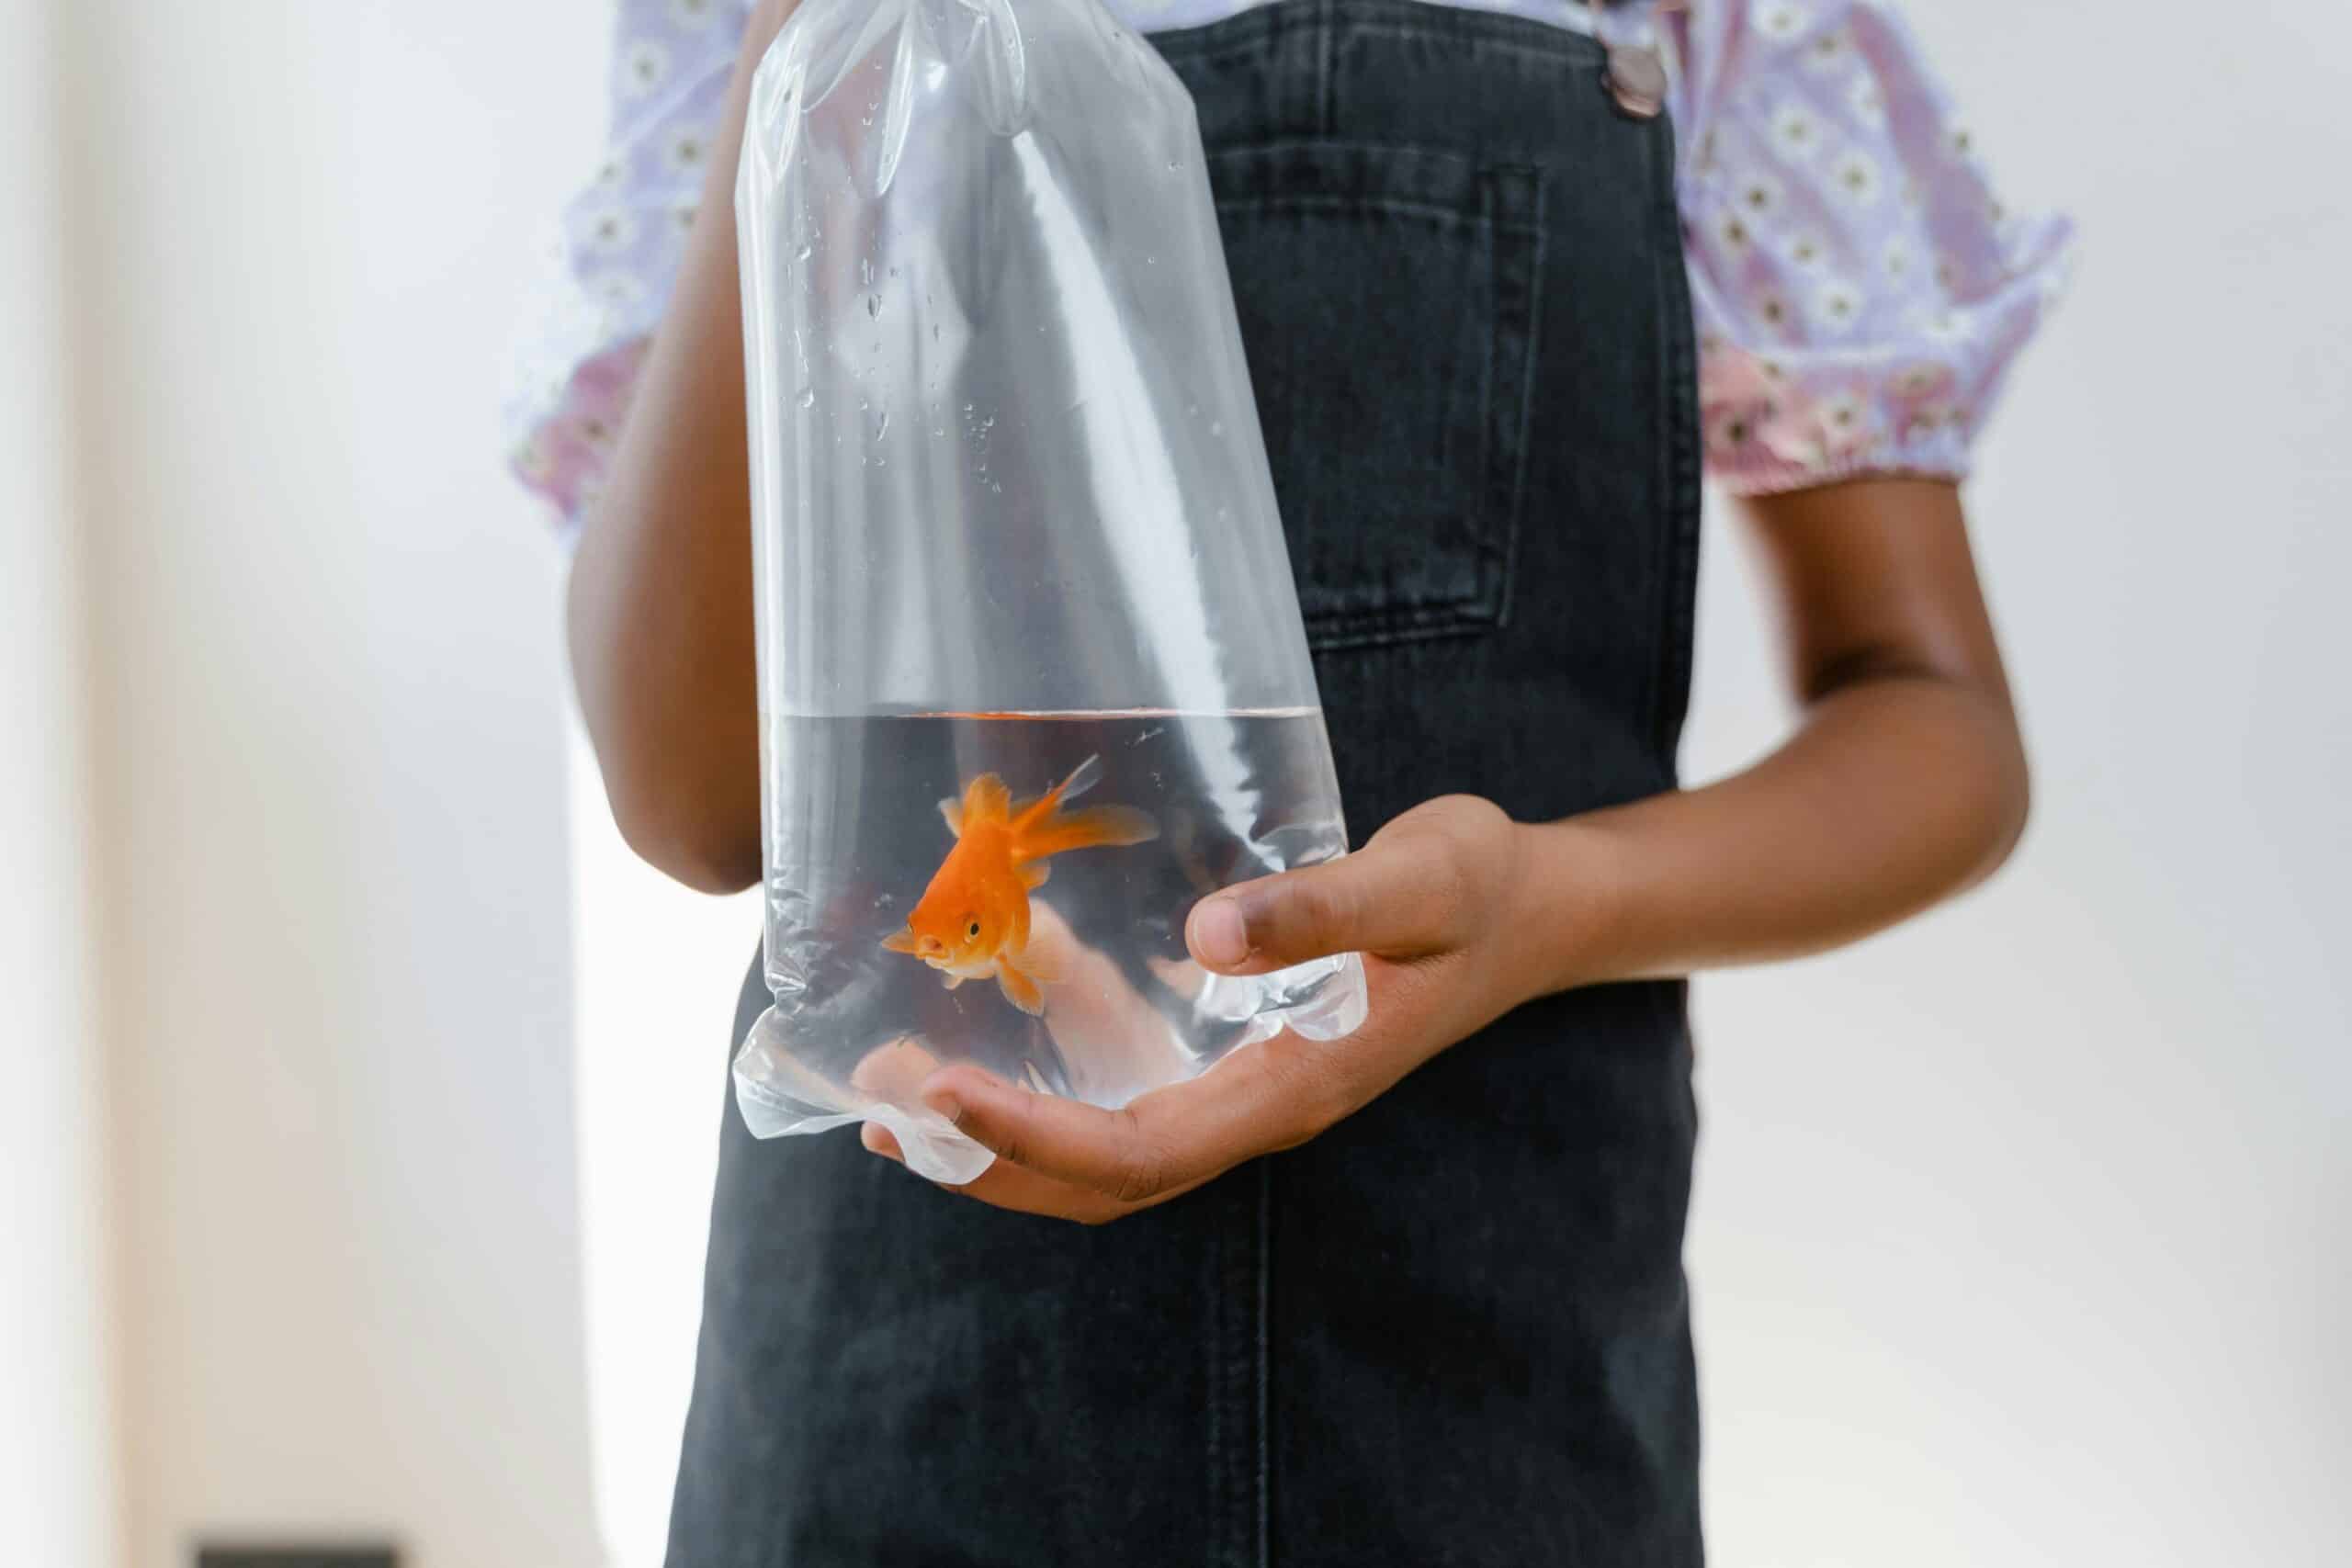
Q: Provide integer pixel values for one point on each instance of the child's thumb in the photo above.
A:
(1379, 899)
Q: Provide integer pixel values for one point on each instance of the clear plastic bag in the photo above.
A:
(1032, 677)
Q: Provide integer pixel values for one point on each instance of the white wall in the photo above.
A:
(58, 1485)
(658, 972)
(2024, 1235)
(335, 963)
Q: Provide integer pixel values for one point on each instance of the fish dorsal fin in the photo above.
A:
(984, 799)
(953, 809)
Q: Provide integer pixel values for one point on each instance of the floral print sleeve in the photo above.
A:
(1860, 293)
(621, 240)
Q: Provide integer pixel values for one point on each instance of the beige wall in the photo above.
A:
(58, 1481)
(335, 957)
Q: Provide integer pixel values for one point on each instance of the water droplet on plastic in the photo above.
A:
(1172, 166)
(996, 488)
(884, 428)
(808, 397)
(804, 252)
(873, 305)
(865, 270)
(1216, 427)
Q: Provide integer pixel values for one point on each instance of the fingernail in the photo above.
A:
(945, 1101)
(1220, 935)
(877, 1140)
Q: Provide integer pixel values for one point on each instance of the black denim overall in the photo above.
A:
(1454, 1329)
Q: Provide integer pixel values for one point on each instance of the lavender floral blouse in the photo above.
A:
(1860, 291)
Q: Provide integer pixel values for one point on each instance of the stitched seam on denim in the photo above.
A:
(1517, 284)
(1214, 1394)
(1681, 455)
(1551, 58)
(1326, 107)
(1527, 402)
(1472, 195)
(1545, 50)
(1341, 642)
(1244, 31)
(1355, 204)
(1265, 1363)
(1426, 611)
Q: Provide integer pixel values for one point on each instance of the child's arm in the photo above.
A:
(659, 609)
(1904, 782)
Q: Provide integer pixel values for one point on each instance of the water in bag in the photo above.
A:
(1032, 673)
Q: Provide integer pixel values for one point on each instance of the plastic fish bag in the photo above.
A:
(1032, 673)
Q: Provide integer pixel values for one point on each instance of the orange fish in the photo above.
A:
(973, 920)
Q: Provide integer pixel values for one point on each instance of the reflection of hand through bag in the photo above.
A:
(1114, 1042)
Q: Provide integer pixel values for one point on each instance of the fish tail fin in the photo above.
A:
(1083, 777)
(1093, 827)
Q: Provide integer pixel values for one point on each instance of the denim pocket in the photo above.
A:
(1387, 298)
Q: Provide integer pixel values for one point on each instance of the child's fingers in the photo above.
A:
(1168, 1141)
(1389, 897)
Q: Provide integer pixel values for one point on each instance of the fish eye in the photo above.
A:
(973, 930)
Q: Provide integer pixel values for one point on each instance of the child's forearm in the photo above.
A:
(1895, 795)
(1906, 782)
(660, 606)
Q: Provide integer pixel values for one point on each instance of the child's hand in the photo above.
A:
(1434, 904)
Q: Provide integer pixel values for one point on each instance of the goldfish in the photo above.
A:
(972, 922)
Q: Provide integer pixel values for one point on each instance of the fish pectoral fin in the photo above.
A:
(899, 941)
(949, 978)
(1034, 877)
(1020, 989)
(953, 809)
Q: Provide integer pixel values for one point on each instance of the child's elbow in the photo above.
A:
(675, 826)
(2005, 797)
